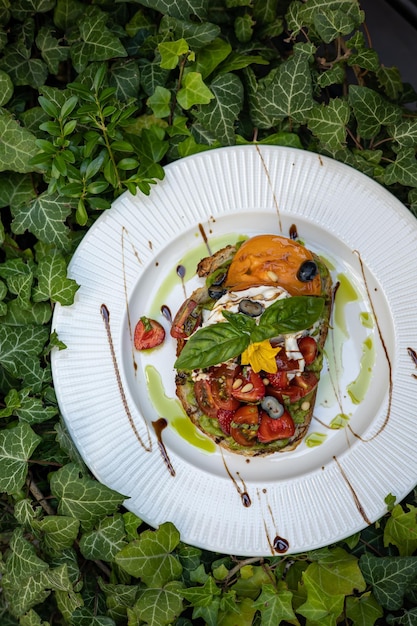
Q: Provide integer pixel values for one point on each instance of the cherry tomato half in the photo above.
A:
(244, 426)
(248, 386)
(274, 429)
(308, 348)
(221, 381)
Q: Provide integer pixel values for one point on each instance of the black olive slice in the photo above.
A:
(216, 291)
(250, 307)
(307, 271)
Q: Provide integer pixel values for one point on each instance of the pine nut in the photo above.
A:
(271, 275)
(246, 388)
(237, 383)
(305, 406)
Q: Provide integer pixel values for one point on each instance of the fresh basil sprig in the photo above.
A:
(220, 342)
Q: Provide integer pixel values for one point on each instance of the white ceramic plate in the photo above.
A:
(362, 439)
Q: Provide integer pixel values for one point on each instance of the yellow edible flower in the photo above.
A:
(260, 356)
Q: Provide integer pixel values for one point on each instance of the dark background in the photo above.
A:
(392, 27)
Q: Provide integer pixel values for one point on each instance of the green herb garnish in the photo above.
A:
(225, 340)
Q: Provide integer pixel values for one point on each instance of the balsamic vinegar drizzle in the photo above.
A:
(158, 427)
(353, 492)
(413, 355)
(274, 198)
(205, 239)
(293, 232)
(244, 496)
(105, 314)
(278, 544)
(125, 233)
(181, 273)
(166, 312)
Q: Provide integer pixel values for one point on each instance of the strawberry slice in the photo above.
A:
(148, 334)
(225, 418)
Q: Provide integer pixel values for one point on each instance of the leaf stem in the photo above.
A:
(38, 495)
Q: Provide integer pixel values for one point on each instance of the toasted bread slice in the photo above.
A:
(298, 398)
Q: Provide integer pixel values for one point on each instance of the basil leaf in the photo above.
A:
(288, 315)
(212, 345)
(240, 321)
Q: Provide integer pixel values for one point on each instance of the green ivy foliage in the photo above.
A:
(95, 98)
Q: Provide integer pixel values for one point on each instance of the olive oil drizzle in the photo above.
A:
(353, 492)
(105, 314)
(268, 176)
(385, 349)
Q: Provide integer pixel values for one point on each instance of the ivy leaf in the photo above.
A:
(22, 581)
(149, 557)
(32, 619)
(17, 146)
(390, 578)
(15, 189)
(405, 133)
(371, 110)
(125, 76)
(182, 9)
(45, 219)
(210, 57)
(6, 88)
(82, 497)
(390, 80)
(193, 91)
(98, 42)
(16, 446)
(287, 91)
(275, 604)
(160, 102)
(202, 595)
(197, 35)
(220, 115)
(403, 170)
(52, 50)
(333, 24)
(53, 283)
(32, 409)
(105, 542)
(67, 13)
(363, 610)
(401, 529)
(171, 51)
(159, 606)
(22, 69)
(83, 616)
(20, 347)
(329, 122)
(58, 532)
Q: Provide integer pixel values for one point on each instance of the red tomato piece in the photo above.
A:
(308, 348)
(244, 426)
(248, 386)
(221, 381)
(204, 396)
(299, 387)
(148, 334)
(186, 320)
(274, 429)
(279, 380)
